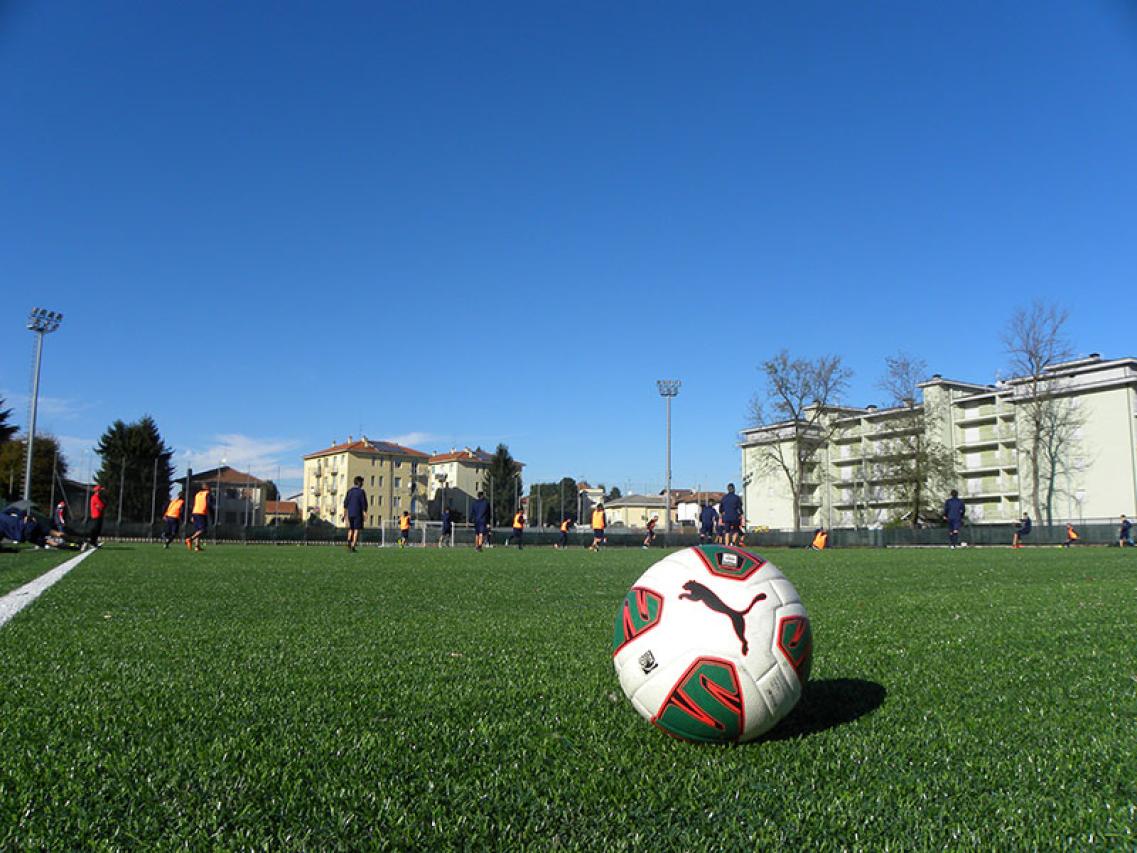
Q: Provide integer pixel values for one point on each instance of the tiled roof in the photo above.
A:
(465, 455)
(282, 507)
(696, 497)
(226, 475)
(368, 447)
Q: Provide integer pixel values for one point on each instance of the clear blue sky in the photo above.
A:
(272, 225)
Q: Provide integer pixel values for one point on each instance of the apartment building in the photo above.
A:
(983, 433)
(458, 475)
(394, 477)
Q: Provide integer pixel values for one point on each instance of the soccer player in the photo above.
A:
(953, 515)
(172, 519)
(59, 515)
(447, 527)
(650, 538)
(1071, 536)
(1021, 531)
(708, 519)
(518, 528)
(98, 506)
(1125, 535)
(820, 540)
(730, 508)
(566, 525)
(599, 522)
(354, 508)
(22, 526)
(199, 517)
(480, 513)
(404, 529)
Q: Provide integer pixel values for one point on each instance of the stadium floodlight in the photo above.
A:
(42, 322)
(668, 388)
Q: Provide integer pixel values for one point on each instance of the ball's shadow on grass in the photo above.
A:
(827, 704)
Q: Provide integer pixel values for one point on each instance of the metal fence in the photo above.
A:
(428, 533)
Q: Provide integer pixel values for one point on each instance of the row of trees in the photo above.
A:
(802, 398)
(135, 466)
(548, 502)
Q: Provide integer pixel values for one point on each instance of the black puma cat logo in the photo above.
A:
(697, 592)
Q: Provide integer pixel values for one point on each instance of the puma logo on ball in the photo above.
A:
(697, 592)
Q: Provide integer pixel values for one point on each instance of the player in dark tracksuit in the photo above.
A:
(354, 508)
(730, 508)
(480, 514)
(708, 518)
(953, 514)
(1022, 531)
(447, 527)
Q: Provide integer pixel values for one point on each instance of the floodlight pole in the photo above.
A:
(42, 322)
(668, 388)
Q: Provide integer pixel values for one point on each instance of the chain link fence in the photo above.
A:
(428, 533)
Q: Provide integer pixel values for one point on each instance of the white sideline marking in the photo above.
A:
(18, 599)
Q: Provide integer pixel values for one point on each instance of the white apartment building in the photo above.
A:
(983, 430)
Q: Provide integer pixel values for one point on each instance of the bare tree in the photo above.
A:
(799, 396)
(1035, 339)
(912, 460)
(1061, 421)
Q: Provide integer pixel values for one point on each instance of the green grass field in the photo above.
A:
(309, 698)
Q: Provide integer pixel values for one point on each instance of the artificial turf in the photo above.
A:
(20, 564)
(289, 697)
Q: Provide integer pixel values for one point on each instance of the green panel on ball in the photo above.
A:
(726, 562)
(641, 610)
(705, 705)
(795, 639)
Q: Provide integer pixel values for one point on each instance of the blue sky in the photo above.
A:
(273, 225)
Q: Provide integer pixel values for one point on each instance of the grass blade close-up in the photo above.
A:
(311, 698)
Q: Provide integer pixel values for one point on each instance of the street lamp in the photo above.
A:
(42, 322)
(668, 388)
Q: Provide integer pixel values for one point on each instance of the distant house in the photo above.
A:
(279, 512)
(238, 497)
(689, 504)
(635, 510)
(589, 496)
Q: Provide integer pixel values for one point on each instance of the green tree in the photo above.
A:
(7, 430)
(615, 494)
(135, 457)
(553, 501)
(12, 460)
(504, 484)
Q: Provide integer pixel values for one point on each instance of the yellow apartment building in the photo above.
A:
(394, 478)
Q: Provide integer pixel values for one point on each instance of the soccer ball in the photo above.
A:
(712, 644)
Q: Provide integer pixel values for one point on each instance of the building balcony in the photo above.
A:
(975, 418)
(978, 443)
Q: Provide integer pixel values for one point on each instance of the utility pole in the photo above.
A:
(668, 388)
(42, 322)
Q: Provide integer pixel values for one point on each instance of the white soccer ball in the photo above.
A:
(712, 644)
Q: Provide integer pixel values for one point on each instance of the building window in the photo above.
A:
(395, 503)
(398, 482)
(378, 500)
